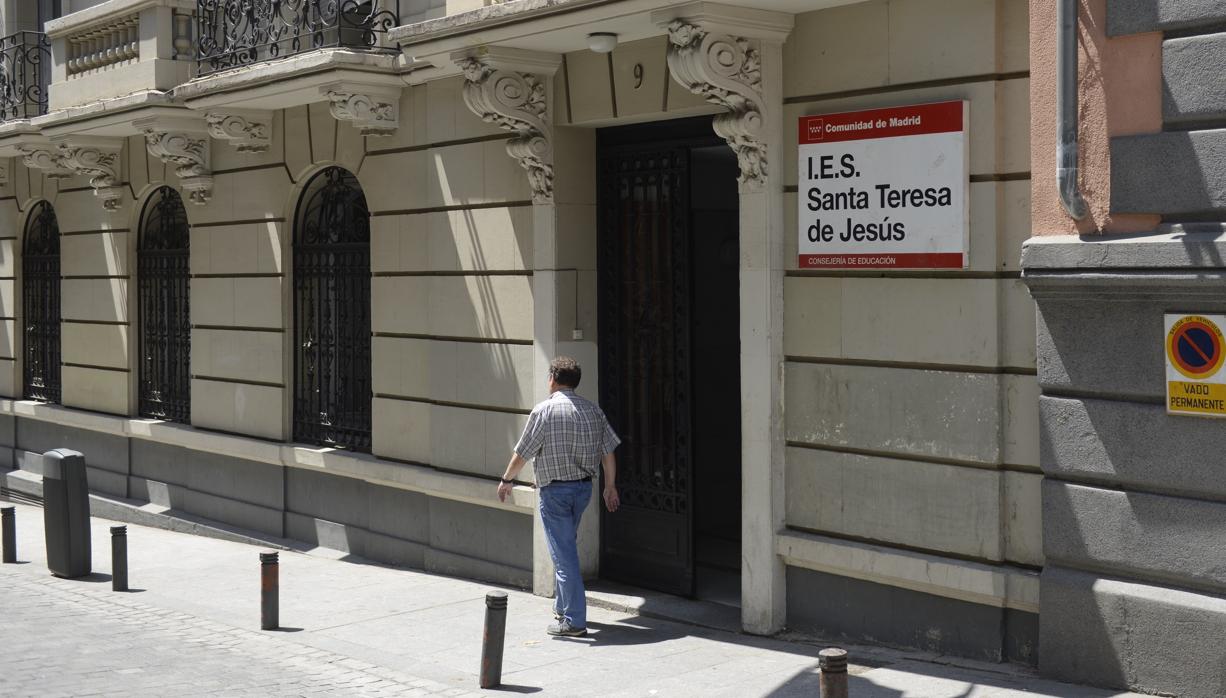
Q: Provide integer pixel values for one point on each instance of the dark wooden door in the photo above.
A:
(645, 364)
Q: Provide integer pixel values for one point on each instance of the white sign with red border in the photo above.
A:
(885, 188)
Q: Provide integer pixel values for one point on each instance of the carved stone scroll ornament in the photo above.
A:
(727, 71)
(102, 168)
(249, 135)
(516, 102)
(190, 154)
(372, 115)
(47, 159)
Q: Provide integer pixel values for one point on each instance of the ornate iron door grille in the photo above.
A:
(40, 290)
(165, 320)
(332, 387)
(644, 299)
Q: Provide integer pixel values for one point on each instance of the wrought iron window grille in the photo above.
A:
(164, 309)
(234, 33)
(332, 372)
(40, 286)
(25, 73)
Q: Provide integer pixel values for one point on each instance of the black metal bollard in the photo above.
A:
(119, 558)
(8, 522)
(270, 583)
(492, 642)
(833, 664)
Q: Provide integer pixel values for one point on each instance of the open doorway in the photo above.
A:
(670, 356)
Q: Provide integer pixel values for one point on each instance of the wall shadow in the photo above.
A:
(1131, 495)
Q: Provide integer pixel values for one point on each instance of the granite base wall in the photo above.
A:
(1133, 594)
(1130, 635)
(862, 611)
(372, 521)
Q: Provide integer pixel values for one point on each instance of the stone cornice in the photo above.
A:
(273, 84)
(1176, 246)
(1179, 288)
(110, 117)
(717, 18)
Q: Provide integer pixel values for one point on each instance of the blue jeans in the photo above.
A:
(562, 505)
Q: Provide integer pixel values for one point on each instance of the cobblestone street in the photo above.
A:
(81, 639)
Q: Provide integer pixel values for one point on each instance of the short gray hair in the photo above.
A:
(565, 371)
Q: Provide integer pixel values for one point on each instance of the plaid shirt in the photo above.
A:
(565, 437)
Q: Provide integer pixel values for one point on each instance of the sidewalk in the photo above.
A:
(191, 626)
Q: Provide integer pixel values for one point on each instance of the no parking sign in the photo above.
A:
(1195, 382)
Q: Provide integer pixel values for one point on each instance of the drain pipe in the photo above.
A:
(1066, 110)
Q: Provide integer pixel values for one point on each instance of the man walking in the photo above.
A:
(566, 437)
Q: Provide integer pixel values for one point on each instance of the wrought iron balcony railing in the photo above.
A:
(25, 73)
(233, 33)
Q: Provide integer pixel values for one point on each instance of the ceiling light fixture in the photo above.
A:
(602, 42)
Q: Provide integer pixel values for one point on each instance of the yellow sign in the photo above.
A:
(1201, 398)
(1195, 383)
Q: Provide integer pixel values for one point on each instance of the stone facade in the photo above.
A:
(451, 247)
(1131, 509)
(889, 418)
(910, 414)
(1130, 533)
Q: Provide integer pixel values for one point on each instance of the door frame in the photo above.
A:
(763, 247)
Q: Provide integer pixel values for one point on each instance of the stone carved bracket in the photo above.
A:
(250, 132)
(515, 101)
(726, 71)
(189, 152)
(101, 165)
(46, 158)
(371, 113)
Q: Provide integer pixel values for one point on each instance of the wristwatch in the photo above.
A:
(506, 481)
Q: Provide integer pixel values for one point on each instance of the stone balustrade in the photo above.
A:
(120, 48)
(108, 45)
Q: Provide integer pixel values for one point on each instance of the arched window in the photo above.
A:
(165, 320)
(40, 291)
(332, 391)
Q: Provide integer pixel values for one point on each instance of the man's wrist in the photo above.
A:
(507, 480)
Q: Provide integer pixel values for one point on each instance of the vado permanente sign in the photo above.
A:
(885, 188)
